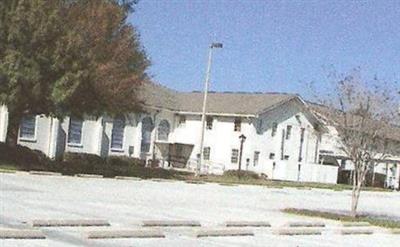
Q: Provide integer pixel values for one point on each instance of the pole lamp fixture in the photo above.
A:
(242, 140)
(203, 115)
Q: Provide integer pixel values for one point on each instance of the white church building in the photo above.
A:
(285, 139)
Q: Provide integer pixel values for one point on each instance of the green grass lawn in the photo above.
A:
(279, 184)
(7, 168)
(345, 218)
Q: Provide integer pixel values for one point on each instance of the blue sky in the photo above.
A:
(269, 46)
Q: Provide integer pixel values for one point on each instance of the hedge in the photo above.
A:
(26, 159)
(242, 174)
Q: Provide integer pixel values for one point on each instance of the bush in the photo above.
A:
(24, 158)
(241, 174)
(122, 165)
(74, 163)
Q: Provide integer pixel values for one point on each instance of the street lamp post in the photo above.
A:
(203, 115)
(242, 140)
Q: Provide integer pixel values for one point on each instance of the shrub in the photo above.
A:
(121, 165)
(25, 158)
(241, 174)
(74, 163)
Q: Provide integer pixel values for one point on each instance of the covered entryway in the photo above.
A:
(174, 155)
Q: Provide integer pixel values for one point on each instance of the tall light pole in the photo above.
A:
(203, 115)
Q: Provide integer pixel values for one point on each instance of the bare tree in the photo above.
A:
(363, 113)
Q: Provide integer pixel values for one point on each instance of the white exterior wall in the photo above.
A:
(90, 136)
(42, 138)
(3, 123)
(222, 139)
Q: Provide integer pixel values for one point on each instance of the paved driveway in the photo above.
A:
(125, 203)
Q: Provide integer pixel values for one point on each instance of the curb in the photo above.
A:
(227, 184)
(305, 224)
(194, 182)
(161, 180)
(223, 233)
(21, 234)
(357, 224)
(356, 231)
(128, 178)
(44, 173)
(69, 223)
(247, 224)
(170, 223)
(124, 234)
(88, 175)
(297, 231)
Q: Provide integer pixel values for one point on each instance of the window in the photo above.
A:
(301, 144)
(117, 134)
(272, 156)
(181, 120)
(75, 131)
(206, 153)
(256, 158)
(274, 129)
(286, 157)
(28, 127)
(288, 131)
(209, 121)
(147, 129)
(163, 131)
(237, 125)
(235, 156)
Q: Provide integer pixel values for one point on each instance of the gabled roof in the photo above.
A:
(156, 95)
(232, 103)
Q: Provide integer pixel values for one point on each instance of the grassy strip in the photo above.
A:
(6, 168)
(279, 184)
(346, 218)
(146, 173)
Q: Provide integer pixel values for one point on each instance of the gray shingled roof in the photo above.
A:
(227, 102)
(156, 95)
(232, 103)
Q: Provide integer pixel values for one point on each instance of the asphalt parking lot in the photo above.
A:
(125, 204)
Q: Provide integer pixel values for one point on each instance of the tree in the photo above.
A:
(61, 57)
(363, 113)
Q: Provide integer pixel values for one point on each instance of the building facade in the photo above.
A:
(285, 140)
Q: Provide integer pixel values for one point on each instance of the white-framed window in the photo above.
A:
(147, 129)
(209, 122)
(274, 129)
(27, 130)
(288, 132)
(206, 153)
(256, 158)
(163, 130)
(75, 131)
(237, 125)
(235, 156)
(271, 156)
(117, 133)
